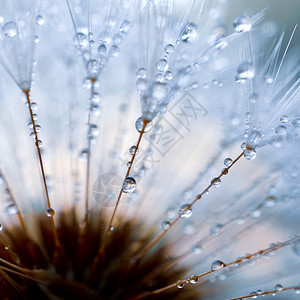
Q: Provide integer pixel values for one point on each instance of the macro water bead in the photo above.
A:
(129, 185)
(10, 29)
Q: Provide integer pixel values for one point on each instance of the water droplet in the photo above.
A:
(284, 119)
(297, 290)
(216, 265)
(114, 51)
(168, 75)
(39, 143)
(1, 227)
(111, 228)
(50, 212)
(129, 185)
(36, 39)
(185, 211)
(37, 128)
(180, 284)
(10, 29)
(256, 214)
(125, 26)
(139, 125)
(189, 33)
(117, 39)
(32, 135)
(253, 294)
(39, 20)
(242, 24)
(278, 287)
(81, 40)
(269, 202)
(225, 171)
(250, 154)
(11, 209)
(132, 149)
(162, 65)
(84, 154)
(280, 130)
(34, 106)
(165, 225)
(194, 279)
(169, 49)
(216, 182)
(102, 49)
(197, 249)
(93, 67)
(227, 162)
(141, 73)
(216, 229)
(244, 71)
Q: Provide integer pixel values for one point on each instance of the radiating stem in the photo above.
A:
(88, 167)
(254, 295)
(12, 198)
(237, 261)
(174, 221)
(48, 203)
(145, 122)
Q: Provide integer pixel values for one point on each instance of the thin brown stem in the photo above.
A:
(297, 287)
(174, 221)
(145, 122)
(48, 203)
(88, 167)
(13, 200)
(235, 262)
(100, 252)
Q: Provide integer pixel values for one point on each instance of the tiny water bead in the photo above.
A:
(216, 182)
(162, 65)
(284, 119)
(133, 149)
(278, 287)
(227, 162)
(250, 154)
(185, 211)
(102, 49)
(168, 75)
(84, 154)
(216, 229)
(39, 143)
(81, 40)
(169, 49)
(10, 29)
(194, 279)
(129, 185)
(253, 294)
(216, 265)
(141, 73)
(11, 209)
(39, 20)
(139, 123)
(197, 249)
(280, 130)
(50, 212)
(296, 247)
(1, 227)
(189, 33)
(159, 91)
(92, 66)
(165, 225)
(180, 284)
(242, 24)
(245, 71)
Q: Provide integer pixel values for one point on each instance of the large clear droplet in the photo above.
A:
(216, 265)
(180, 284)
(278, 287)
(185, 211)
(280, 130)
(132, 150)
(129, 185)
(139, 123)
(102, 49)
(10, 29)
(227, 162)
(84, 154)
(250, 154)
(169, 49)
(242, 24)
(92, 66)
(141, 73)
(165, 225)
(189, 33)
(284, 119)
(11, 209)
